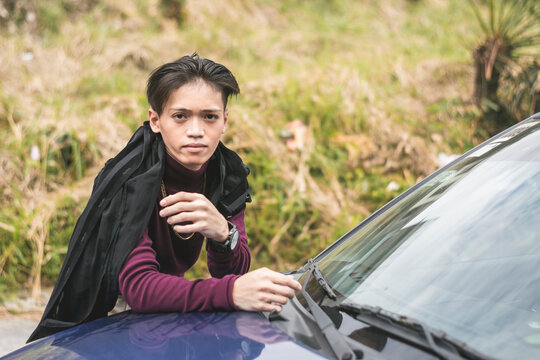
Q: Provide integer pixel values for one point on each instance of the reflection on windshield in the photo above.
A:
(461, 253)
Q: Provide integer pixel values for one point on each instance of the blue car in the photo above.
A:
(450, 269)
(127, 335)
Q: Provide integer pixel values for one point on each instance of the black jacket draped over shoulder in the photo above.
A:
(114, 221)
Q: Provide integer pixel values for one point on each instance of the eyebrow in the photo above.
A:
(204, 110)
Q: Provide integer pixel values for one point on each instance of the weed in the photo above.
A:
(511, 30)
(61, 226)
(378, 86)
(173, 9)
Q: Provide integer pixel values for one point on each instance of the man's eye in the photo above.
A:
(212, 117)
(179, 116)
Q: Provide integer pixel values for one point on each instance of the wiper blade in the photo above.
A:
(335, 339)
(387, 320)
(314, 269)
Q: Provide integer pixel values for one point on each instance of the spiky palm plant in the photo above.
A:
(520, 89)
(511, 39)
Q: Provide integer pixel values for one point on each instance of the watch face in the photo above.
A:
(234, 238)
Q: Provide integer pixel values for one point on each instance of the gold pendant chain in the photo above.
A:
(164, 194)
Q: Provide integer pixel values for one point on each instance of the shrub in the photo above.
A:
(511, 36)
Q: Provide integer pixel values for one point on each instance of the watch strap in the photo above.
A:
(229, 243)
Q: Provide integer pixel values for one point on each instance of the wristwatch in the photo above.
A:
(229, 243)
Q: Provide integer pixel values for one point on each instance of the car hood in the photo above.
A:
(233, 335)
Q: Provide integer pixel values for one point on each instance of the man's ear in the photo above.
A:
(154, 120)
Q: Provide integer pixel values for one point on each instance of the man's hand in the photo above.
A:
(197, 213)
(263, 290)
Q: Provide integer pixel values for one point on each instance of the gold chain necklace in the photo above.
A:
(164, 194)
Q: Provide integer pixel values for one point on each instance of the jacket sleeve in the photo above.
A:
(145, 289)
(236, 261)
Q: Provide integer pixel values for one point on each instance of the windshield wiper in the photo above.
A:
(314, 269)
(401, 326)
(335, 339)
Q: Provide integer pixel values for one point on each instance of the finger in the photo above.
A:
(278, 289)
(276, 299)
(287, 280)
(188, 228)
(268, 307)
(183, 206)
(180, 196)
(186, 217)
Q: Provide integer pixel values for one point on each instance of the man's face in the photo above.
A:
(191, 123)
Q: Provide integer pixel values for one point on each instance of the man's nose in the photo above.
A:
(195, 128)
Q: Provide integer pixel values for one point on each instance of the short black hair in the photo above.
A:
(170, 76)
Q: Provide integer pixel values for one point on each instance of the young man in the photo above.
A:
(173, 185)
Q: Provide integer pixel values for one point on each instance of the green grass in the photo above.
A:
(61, 226)
(381, 86)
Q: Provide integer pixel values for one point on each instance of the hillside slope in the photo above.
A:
(377, 88)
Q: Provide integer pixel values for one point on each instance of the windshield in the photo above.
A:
(461, 253)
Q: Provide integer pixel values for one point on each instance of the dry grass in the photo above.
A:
(344, 71)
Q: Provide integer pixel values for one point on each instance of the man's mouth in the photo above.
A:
(194, 147)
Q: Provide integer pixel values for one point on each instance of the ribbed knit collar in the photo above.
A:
(178, 176)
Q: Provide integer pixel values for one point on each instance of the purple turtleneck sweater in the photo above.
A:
(152, 279)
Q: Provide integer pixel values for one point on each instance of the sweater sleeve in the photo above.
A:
(236, 261)
(145, 289)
